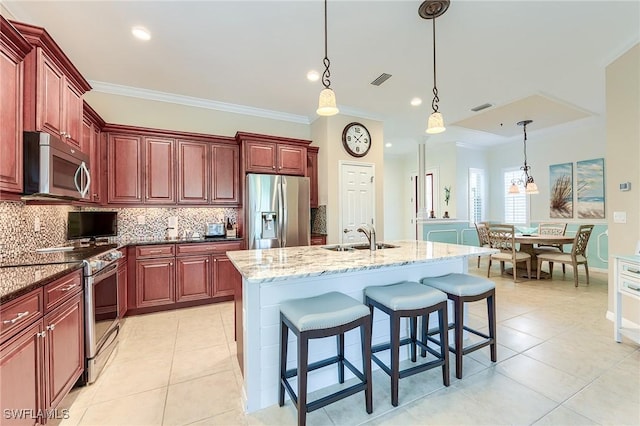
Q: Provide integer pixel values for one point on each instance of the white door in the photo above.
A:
(357, 198)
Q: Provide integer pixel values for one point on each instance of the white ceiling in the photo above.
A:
(257, 54)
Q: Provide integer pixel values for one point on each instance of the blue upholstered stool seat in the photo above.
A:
(410, 300)
(325, 311)
(326, 315)
(460, 284)
(463, 288)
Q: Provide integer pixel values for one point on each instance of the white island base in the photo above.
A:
(274, 275)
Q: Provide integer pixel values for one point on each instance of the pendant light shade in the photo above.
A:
(435, 124)
(527, 182)
(327, 103)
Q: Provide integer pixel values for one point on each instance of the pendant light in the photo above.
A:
(327, 101)
(431, 9)
(526, 181)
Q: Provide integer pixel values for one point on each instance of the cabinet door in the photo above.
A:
(260, 157)
(49, 115)
(193, 176)
(11, 70)
(64, 349)
(122, 288)
(193, 276)
(72, 111)
(155, 282)
(159, 176)
(124, 169)
(225, 174)
(312, 173)
(95, 168)
(21, 375)
(226, 277)
(292, 160)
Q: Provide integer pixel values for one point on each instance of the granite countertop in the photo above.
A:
(259, 266)
(19, 280)
(133, 241)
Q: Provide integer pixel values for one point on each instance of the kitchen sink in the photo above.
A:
(379, 246)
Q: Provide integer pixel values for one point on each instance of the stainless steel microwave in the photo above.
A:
(53, 168)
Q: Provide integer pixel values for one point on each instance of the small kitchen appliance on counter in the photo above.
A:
(215, 230)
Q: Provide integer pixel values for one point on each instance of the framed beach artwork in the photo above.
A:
(561, 196)
(590, 189)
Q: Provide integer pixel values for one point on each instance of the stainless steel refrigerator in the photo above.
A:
(277, 211)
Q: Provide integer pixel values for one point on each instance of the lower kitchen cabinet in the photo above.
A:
(41, 358)
(193, 278)
(155, 282)
(226, 277)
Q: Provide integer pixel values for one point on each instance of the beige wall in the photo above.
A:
(623, 158)
(165, 115)
(326, 132)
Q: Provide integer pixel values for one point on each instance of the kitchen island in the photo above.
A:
(273, 275)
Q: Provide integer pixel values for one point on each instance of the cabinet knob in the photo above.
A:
(51, 327)
(42, 334)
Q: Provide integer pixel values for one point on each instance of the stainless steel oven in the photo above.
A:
(101, 311)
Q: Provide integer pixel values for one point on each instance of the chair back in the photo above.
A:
(581, 239)
(502, 237)
(552, 228)
(483, 233)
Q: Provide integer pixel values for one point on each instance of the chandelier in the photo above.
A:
(431, 9)
(526, 182)
(327, 101)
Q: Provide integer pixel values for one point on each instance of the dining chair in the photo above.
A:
(551, 228)
(502, 237)
(483, 236)
(576, 257)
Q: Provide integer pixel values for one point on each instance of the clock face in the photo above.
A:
(356, 139)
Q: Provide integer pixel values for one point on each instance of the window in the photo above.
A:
(515, 205)
(476, 195)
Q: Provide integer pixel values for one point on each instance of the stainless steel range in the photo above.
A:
(102, 324)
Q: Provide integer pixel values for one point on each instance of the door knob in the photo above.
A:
(345, 230)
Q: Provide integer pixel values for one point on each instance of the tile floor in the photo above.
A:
(558, 364)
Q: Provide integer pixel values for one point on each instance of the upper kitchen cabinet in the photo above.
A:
(312, 173)
(13, 49)
(273, 154)
(53, 88)
(124, 169)
(208, 171)
(159, 181)
(92, 143)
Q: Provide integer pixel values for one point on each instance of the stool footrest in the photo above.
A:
(343, 393)
(422, 367)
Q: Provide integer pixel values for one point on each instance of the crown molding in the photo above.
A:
(153, 95)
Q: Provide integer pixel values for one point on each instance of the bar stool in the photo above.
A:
(330, 314)
(463, 288)
(409, 300)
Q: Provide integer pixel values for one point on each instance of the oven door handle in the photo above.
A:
(105, 273)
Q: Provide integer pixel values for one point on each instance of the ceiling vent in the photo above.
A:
(381, 79)
(481, 107)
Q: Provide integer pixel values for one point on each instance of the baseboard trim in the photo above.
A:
(625, 322)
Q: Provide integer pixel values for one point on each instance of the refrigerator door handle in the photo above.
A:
(283, 220)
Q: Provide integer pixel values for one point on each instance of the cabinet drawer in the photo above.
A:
(15, 315)
(630, 286)
(166, 250)
(208, 248)
(630, 271)
(61, 289)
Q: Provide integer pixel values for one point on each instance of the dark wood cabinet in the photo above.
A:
(275, 158)
(159, 178)
(123, 272)
(225, 174)
(292, 160)
(124, 169)
(64, 349)
(226, 277)
(193, 172)
(13, 49)
(41, 350)
(193, 278)
(92, 143)
(155, 282)
(318, 240)
(53, 88)
(312, 173)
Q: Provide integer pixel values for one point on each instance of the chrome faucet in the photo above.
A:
(370, 233)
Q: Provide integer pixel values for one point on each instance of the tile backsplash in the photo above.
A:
(18, 223)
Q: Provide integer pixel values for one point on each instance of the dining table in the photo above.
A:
(527, 244)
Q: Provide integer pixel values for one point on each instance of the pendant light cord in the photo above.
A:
(326, 74)
(436, 99)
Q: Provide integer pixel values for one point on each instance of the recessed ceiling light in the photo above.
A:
(388, 144)
(313, 75)
(141, 33)
(416, 101)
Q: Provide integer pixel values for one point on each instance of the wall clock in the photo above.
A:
(356, 139)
